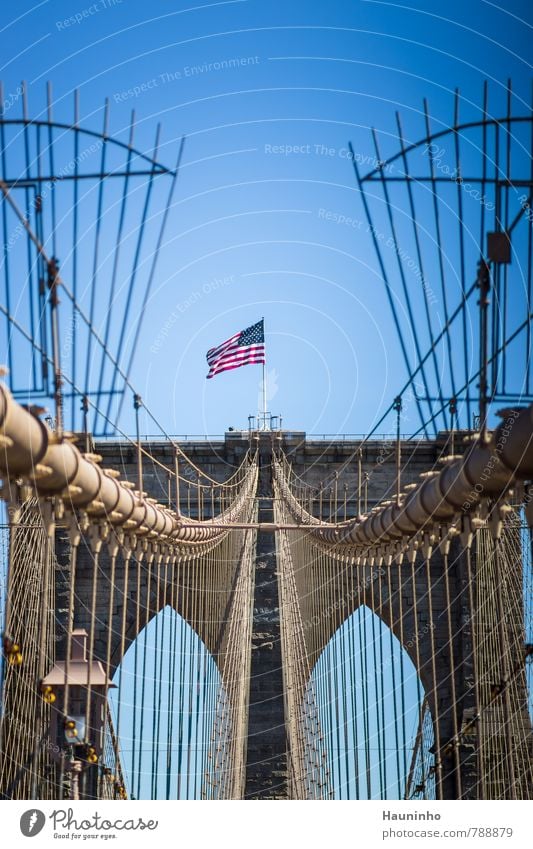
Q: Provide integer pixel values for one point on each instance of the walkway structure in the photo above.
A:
(269, 617)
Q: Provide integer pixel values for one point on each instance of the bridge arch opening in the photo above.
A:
(373, 714)
(167, 712)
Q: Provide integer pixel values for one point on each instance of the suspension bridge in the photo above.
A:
(268, 614)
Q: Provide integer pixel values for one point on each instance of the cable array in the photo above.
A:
(29, 650)
(414, 647)
(178, 584)
(62, 173)
(434, 209)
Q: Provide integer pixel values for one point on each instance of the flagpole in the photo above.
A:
(264, 399)
(264, 386)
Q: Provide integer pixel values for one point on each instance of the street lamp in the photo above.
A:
(67, 686)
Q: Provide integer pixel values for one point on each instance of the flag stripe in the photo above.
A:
(230, 366)
(254, 355)
(239, 353)
(235, 362)
(213, 351)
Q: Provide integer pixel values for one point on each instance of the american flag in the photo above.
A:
(244, 348)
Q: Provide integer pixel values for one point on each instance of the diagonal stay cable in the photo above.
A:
(384, 274)
(491, 359)
(423, 281)
(392, 226)
(96, 251)
(41, 250)
(135, 266)
(440, 251)
(112, 289)
(153, 267)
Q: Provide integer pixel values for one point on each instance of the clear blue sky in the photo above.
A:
(248, 234)
(268, 96)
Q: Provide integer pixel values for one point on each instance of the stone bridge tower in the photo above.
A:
(427, 613)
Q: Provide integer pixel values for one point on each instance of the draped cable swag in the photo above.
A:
(128, 625)
(421, 572)
(130, 565)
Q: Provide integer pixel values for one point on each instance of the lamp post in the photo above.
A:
(79, 747)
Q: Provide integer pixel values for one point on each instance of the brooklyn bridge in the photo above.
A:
(268, 614)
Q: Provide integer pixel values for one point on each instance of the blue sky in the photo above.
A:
(265, 219)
